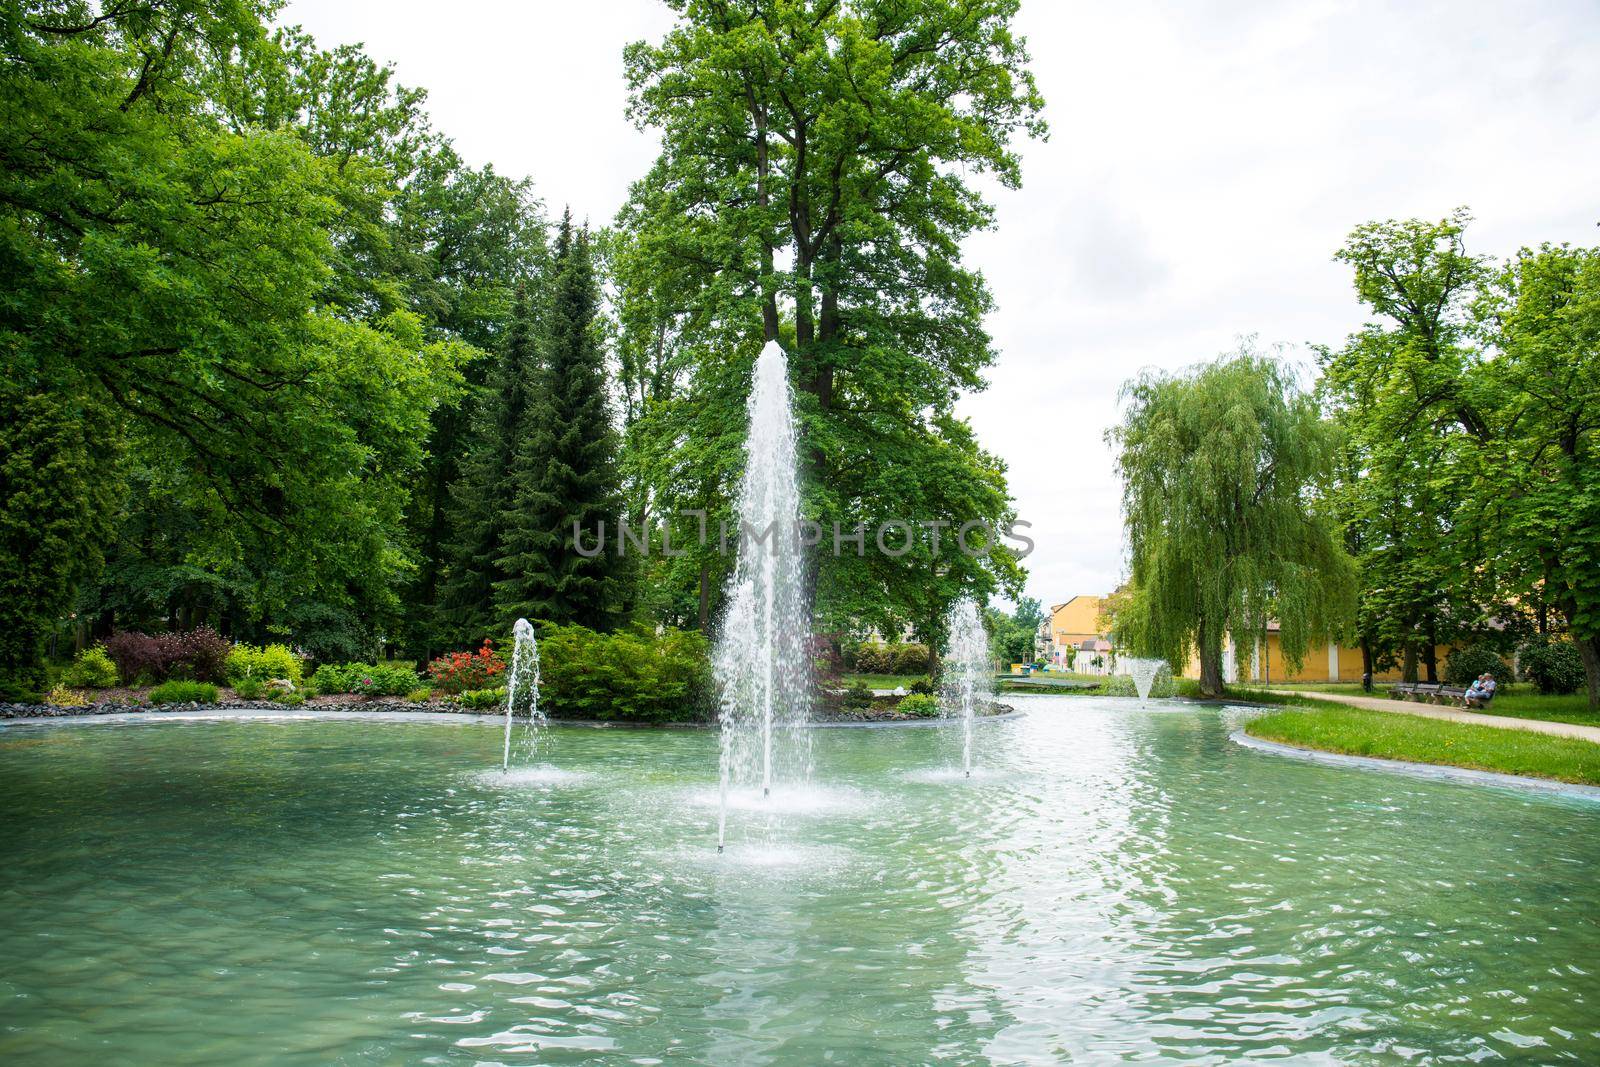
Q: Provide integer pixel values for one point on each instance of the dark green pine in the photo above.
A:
(565, 469)
(479, 496)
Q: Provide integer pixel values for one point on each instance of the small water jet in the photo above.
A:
(522, 681)
(1144, 673)
(966, 671)
(761, 655)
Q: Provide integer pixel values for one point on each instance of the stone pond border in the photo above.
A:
(1432, 771)
(402, 713)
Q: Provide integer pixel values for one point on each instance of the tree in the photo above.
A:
(1538, 494)
(1224, 468)
(815, 184)
(1411, 430)
(187, 268)
(57, 488)
(564, 475)
(486, 485)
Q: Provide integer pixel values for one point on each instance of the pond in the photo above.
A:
(1112, 883)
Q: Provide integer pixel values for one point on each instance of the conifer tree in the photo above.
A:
(565, 470)
(480, 495)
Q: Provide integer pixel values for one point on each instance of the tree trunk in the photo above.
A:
(1208, 647)
(1430, 653)
(1408, 666)
(1366, 661)
(704, 616)
(1589, 650)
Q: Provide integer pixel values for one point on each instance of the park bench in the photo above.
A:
(1429, 692)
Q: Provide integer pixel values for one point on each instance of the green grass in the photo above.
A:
(1518, 700)
(882, 681)
(1386, 735)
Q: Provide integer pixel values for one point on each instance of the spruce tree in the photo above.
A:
(565, 470)
(479, 497)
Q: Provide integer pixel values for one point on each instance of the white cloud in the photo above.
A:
(1205, 162)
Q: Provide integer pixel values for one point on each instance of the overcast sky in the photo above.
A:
(1205, 161)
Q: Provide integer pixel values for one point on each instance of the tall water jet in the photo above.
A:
(1144, 673)
(522, 685)
(761, 655)
(966, 671)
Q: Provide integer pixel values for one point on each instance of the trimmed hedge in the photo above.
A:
(1552, 666)
(632, 675)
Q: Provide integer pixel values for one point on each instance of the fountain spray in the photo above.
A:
(522, 678)
(966, 671)
(761, 655)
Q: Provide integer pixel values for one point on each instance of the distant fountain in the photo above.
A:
(522, 686)
(1144, 673)
(761, 655)
(966, 671)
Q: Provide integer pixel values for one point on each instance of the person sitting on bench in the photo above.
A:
(1482, 692)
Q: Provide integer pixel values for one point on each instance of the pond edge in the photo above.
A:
(1433, 771)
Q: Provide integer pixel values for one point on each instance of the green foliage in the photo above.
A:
(419, 696)
(1224, 470)
(819, 172)
(912, 659)
(62, 697)
(631, 675)
(873, 657)
(292, 700)
(1468, 662)
(1552, 666)
(365, 679)
(261, 663)
(482, 699)
(57, 492)
(180, 691)
(248, 687)
(857, 697)
(922, 705)
(92, 669)
(1011, 637)
(922, 685)
(564, 476)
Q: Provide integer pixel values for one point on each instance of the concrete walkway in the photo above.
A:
(1438, 711)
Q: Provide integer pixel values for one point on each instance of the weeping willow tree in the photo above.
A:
(1224, 471)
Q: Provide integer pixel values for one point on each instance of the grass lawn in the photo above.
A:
(1359, 732)
(882, 681)
(1518, 700)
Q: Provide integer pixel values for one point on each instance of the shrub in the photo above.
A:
(293, 700)
(419, 696)
(922, 685)
(184, 691)
(92, 669)
(874, 658)
(858, 697)
(247, 688)
(1552, 666)
(62, 697)
(456, 672)
(482, 699)
(263, 662)
(922, 705)
(1465, 664)
(632, 675)
(199, 654)
(365, 679)
(912, 659)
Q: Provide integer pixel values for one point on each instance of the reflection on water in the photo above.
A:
(1120, 883)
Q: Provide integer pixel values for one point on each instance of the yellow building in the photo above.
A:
(1324, 662)
(1071, 624)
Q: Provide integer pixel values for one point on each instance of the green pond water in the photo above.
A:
(1116, 884)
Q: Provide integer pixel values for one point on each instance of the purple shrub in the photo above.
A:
(200, 654)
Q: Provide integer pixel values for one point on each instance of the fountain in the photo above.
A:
(1144, 673)
(761, 655)
(966, 671)
(522, 681)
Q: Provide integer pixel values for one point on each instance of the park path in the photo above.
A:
(1435, 711)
